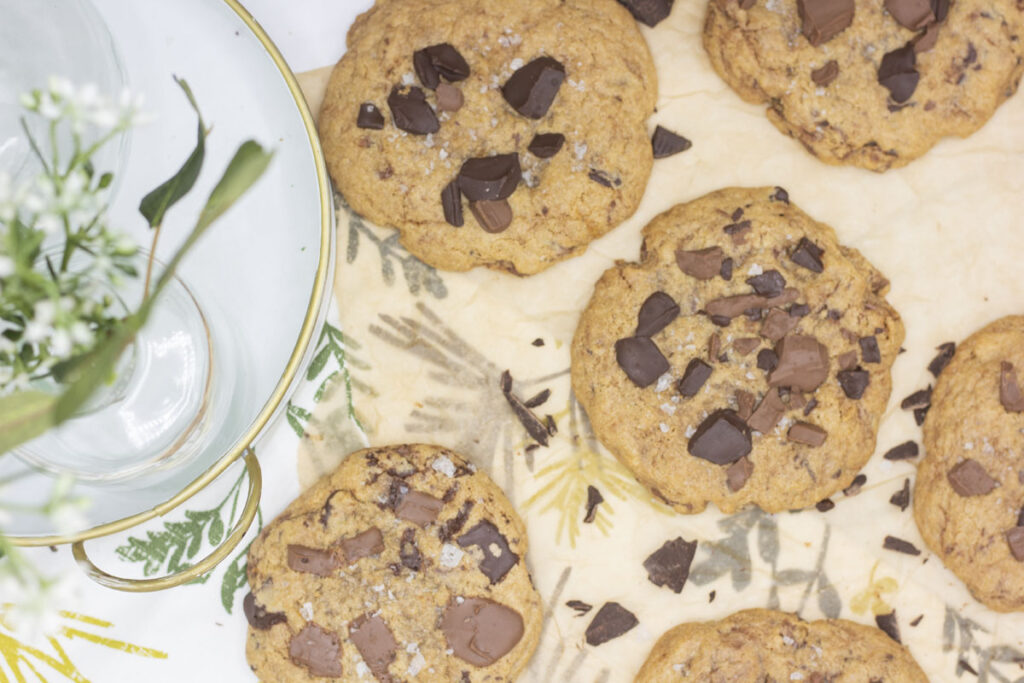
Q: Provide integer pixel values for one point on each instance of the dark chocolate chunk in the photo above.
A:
(1009, 390)
(481, 631)
(702, 264)
(901, 498)
(603, 178)
(918, 399)
(531, 423)
(486, 536)
(767, 360)
(856, 485)
(803, 363)
(780, 195)
(824, 75)
(912, 14)
(449, 98)
(777, 325)
(738, 231)
(546, 145)
(917, 620)
(694, 377)
(490, 178)
(439, 60)
(666, 143)
(411, 113)
(799, 310)
(808, 254)
(364, 544)
(807, 434)
(311, 560)
(726, 270)
(768, 412)
(641, 360)
(375, 643)
(824, 505)
(657, 311)
(745, 402)
(538, 400)
(714, 346)
(940, 8)
(904, 451)
(824, 19)
(887, 622)
(811, 405)
(258, 616)
(428, 75)
(594, 498)
(869, 352)
(317, 650)
(451, 204)
(963, 665)
(768, 283)
(611, 621)
(370, 117)
(969, 478)
(897, 73)
(532, 88)
(649, 12)
(854, 382)
(538, 342)
(418, 508)
(454, 525)
(549, 424)
(900, 546)
(493, 216)
(409, 552)
(737, 474)
(669, 565)
(744, 345)
(580, 607)
(722, 438)
(1015, 538)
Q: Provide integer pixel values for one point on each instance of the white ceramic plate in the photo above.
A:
(264, 268)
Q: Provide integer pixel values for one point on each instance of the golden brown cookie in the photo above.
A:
(759, 645)
(969, 495)
(871, 83)
(744, 360)
(493, 133)
(405, 563)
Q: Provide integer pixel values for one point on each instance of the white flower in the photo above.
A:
(6, 266)
(49, 223)
(80, 333)
(60, 344)
(36, 601)
(49, 108)
(37, 332)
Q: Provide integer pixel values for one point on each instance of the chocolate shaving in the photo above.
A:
(780, 195)
(580, 607)
(714, 346)
(538, 399)
(531, 423)
(665, 143)
(594, 498)
(641, 360)
(487, 538)
(439, 60)
(490, 178)
(451, 204)
(900, 546)
(905, 451)
(811, 405)
(738, 473)
(1009, 390)
(854, 382)
(768, 283)
(649, 12)
(696, 374)
(824, 75)
(917, 620)
(532, 88)
(448, 529)
(822, 20)
(969, 478)
(411, 113)
(657, 311)
(493, 216)
(702, 264)
(901, 498)
(808, 254)
(897, 73)
(919, 415)
(669, 565)
(925, 41)
(546, 145)
(722, 438)
(745, 401)
(611, 621)
(258, 616)
(847, 360)
(856, 485)
(887, 622)
(369, 117)
(726, 270)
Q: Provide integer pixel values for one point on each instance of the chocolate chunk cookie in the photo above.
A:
(969, 495)
(492, 133)
(764, 645)
(744, 360)
(404, 564)
(872, 83)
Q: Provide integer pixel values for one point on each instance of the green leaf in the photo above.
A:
(319, 361)
(234, 580)
(216, 531)
(25, 415)
(155, 204)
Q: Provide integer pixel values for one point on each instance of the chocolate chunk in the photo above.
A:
(799, 310)
(258, 616)
(531, 423)
(669, 565)
(657, 311)
(917, 620)
(808, 254)
(1009, 391)
(533, 87)
(768, 413)
(409, 552)
(594, 498)
(493, 216)
(905, 451)
(603, 178)
(768, 283)
(428, 75)
(897, 73)
(538, 342)
(364, 544)
(969, 478)
(454, 525)
(546, 145)
(869, 352)
(580, 607)
(901, 498)
(439, 60)
(735, 305)
(824, 75)
(807, 434)
(824, 505)
(803, 363)
(737, 474)
(666, 143)
(900, 546)
(714, 346)
(925, 41)
(311, 560)
(702, 264)
(856, 485)
(1015, 538)
(649, 12)
(919, 415)
(317, 650)
(780, 195)
(744, 345)
(939, 363)
(847, 360)
(451, 204)
(375, 643)
(611, 621)
(745, 401)
(418, 508)
(490, 178)
(824, 19)
(486, 536)
(722, 438)
(538, 399)
(777, 325)
(694, 377)
(918, 399)
(854, 382)
(912, 14)
(940, 8)
(449, 98)
(767, 360)
(481, 631)
(738, 231)
(641, 360)
(549, 424)
(887, 622)
(369, 117)
(726, 270)
(411, 113)
(811, 405)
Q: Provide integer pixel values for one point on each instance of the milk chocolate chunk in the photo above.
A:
(610, 622)
(767, 360)
(1015, 538)
(745, 402)
(824, 19)
(847, 360)
(854, 382)
(869, 352)
(722, 438)
(737, 474)
(657, 311)
(411, 113)
(824, 75)
(665, 143)
(311, 560)
(744, 345)
(375, 643)
(594, 498)
(726, 270)
(546, 145)
(777, 325)
(904, 451)
(449, 98)
(807, 434)
(808, 254)
(481, 631)
(363, 544)
(369, 117)
(738, 231)
(532, 88)
(694, 377)
(258, 616)
(969, 478)
(926, 40)
(803, 363)
(493, 216)
(418, 508)
(888, 624)
(702, 264)
(768, 412)
(768, 283)
(318, 650)
(912, 14)
(735, 305)
(451, 204)
(498, 557)
(641, 360)
(939, 363)
(900, 546)
(490, 178)
(439, 60)
(669, 565)
(897, 73)
(1009, 391)
(649, 12)
(901, 498)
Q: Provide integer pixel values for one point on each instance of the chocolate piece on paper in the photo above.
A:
(649, 12)
(451, 204)
(490, 178)
(531, 423)
(317, 650)
(610, 622)
(375, 643)
(807, 434)
(822, 20)
(538, 399)
(594, 498)
(449, 98)
(869, 352)
(312, 560)
(888, 624)
(824, 75)
(669, 565)
(419, 508)
(737, 474)
(722, 438)
(641, 360)
(918, 399)
(901, 498)
(1009, 390)
(919, 415)
(411, 113)
(665, 143)
(579, 606)
(905, 451)
(769, 283)
(493, 216)
(854, 382)
(696, 374)
(803, 363)
(369, 117)
(900, 546)
(780, 195)
(824, 505)
(898, 74)
(258, 616)
(532, 88)
(487, 538)
(702, 264)
(480, 631)
(969, 478)
(657, 311)
(364, 544)
(808, 254)
(856, 485)
(546, 145)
